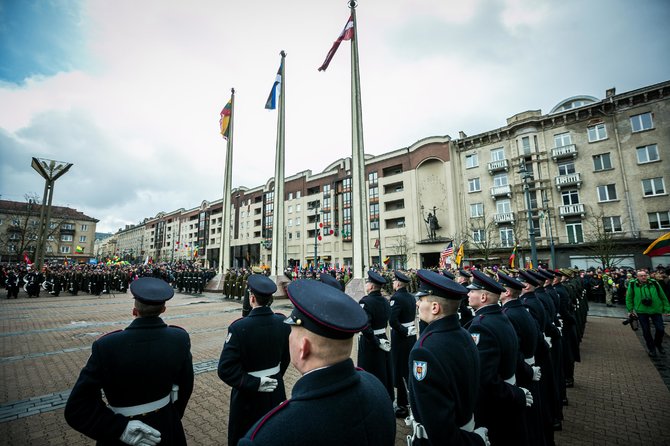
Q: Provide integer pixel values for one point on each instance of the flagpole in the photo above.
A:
(224, 250)
(278, 242)
(360, 224)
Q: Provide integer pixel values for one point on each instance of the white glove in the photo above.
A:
(537, 373)
(529, 397)
(385, 345)
(137, 433)
(560, 330)
(267, 384)
(411, 331)
(484, 433)
(547, 339)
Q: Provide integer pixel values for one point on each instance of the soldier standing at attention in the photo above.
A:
(332, 403)
(500, 402)
(373, 346)
(403, 337)
(444, 367)
(254, 358)
(146, 372)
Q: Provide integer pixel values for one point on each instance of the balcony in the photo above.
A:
(503, 217)
(573, 179)
(569, 151)
(571, 210)
(495, 166)
(500, 191)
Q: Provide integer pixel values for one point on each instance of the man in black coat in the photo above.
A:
(146, 372)
(373, 346)
(444, 369)
(333, 403)
(254, 358)
(403, 337)
(500, 402)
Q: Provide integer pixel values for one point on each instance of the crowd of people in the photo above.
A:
(488, 360)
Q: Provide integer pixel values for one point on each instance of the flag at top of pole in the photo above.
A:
(347, 34)
(271, 103)
(224, 121)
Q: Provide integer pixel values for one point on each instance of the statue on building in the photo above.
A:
(432, 224)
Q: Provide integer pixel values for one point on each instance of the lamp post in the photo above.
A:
(525, 176)
(551, 235)
(316, 231)
(50, 170)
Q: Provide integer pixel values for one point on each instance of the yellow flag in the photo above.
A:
(459, 255)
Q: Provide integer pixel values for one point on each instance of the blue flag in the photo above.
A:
(271, 103)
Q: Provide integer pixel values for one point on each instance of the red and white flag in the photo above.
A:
(347, 34)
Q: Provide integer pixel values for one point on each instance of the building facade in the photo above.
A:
(589, 181)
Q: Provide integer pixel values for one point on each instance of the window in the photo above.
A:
(82, 238)
(290, 195)
(607, 192)
(326, 202)
(473, 185)
(597, 132)
(562, 140)
(346, 214)
(659, 220)
(570, 197)
(297, 208)
(641, 122)
(374, 193)
(498, 154)
(290, 222)
(66, 238)
(525, 145)
(653, 186)
(290, 236)
(84, 227)
(478, 236)
(297, 234)
(326, 189)
(647, 154)
(297, 221)
(602, 162)
(574, 232)
(372, 178)
(500, 180)
(65, 249)
(374, 210)
(53, 225)
(566, 168)
(612, 224)
(506, 237)
(477, 210)
(297, 195)
(346, 199)
(374, 224)
(503, 206)
(243, 214)
(67, 226)
(471, 161)
(289, 210)
(16, 222)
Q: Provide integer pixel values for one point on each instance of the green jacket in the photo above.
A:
(638, 292)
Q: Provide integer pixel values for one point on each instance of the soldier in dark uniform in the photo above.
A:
(527, 373)
(246, 305)
(403, 337)
(254, 359)
(333, 403)
(465, 313)
(373, 346)
(444, 369)
(500, 402)
(146, 372)
(12, 284)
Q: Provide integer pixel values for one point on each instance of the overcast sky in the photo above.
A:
(130, 91)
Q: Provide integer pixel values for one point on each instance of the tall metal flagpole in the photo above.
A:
(278, 242)
(224, 251)
(361, 240)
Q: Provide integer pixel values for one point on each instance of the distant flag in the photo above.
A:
(79, 249)
(377, 243)
(224, 121)
(26, 258)
(512, 257)
(387, 260)
(445, 253)
(529, 264)
(271, 103)
(347, 34)
(146, 261)
(459, 255)
(659, 247)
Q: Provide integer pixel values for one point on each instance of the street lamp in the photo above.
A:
(551, 235)
(316, 230)
(50, 170)
(525, 176)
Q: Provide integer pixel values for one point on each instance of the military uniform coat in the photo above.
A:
(333, 406)
(371, 358)
(134, 366)
(403, 311)
(443, 382)
(499, 403)
(256, 342)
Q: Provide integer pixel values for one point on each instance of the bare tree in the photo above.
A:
(400, 247)
(481, 240)
(602, 243)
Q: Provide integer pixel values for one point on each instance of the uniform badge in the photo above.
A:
(392, 302)
(363, 306)
(230, 335)
(420, 370)
(475, 337)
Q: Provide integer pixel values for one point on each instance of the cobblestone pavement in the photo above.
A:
(619, 396)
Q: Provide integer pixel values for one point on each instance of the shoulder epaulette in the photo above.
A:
(238, 319)
(111, 332)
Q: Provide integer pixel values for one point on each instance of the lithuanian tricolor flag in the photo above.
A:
(659, 247)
